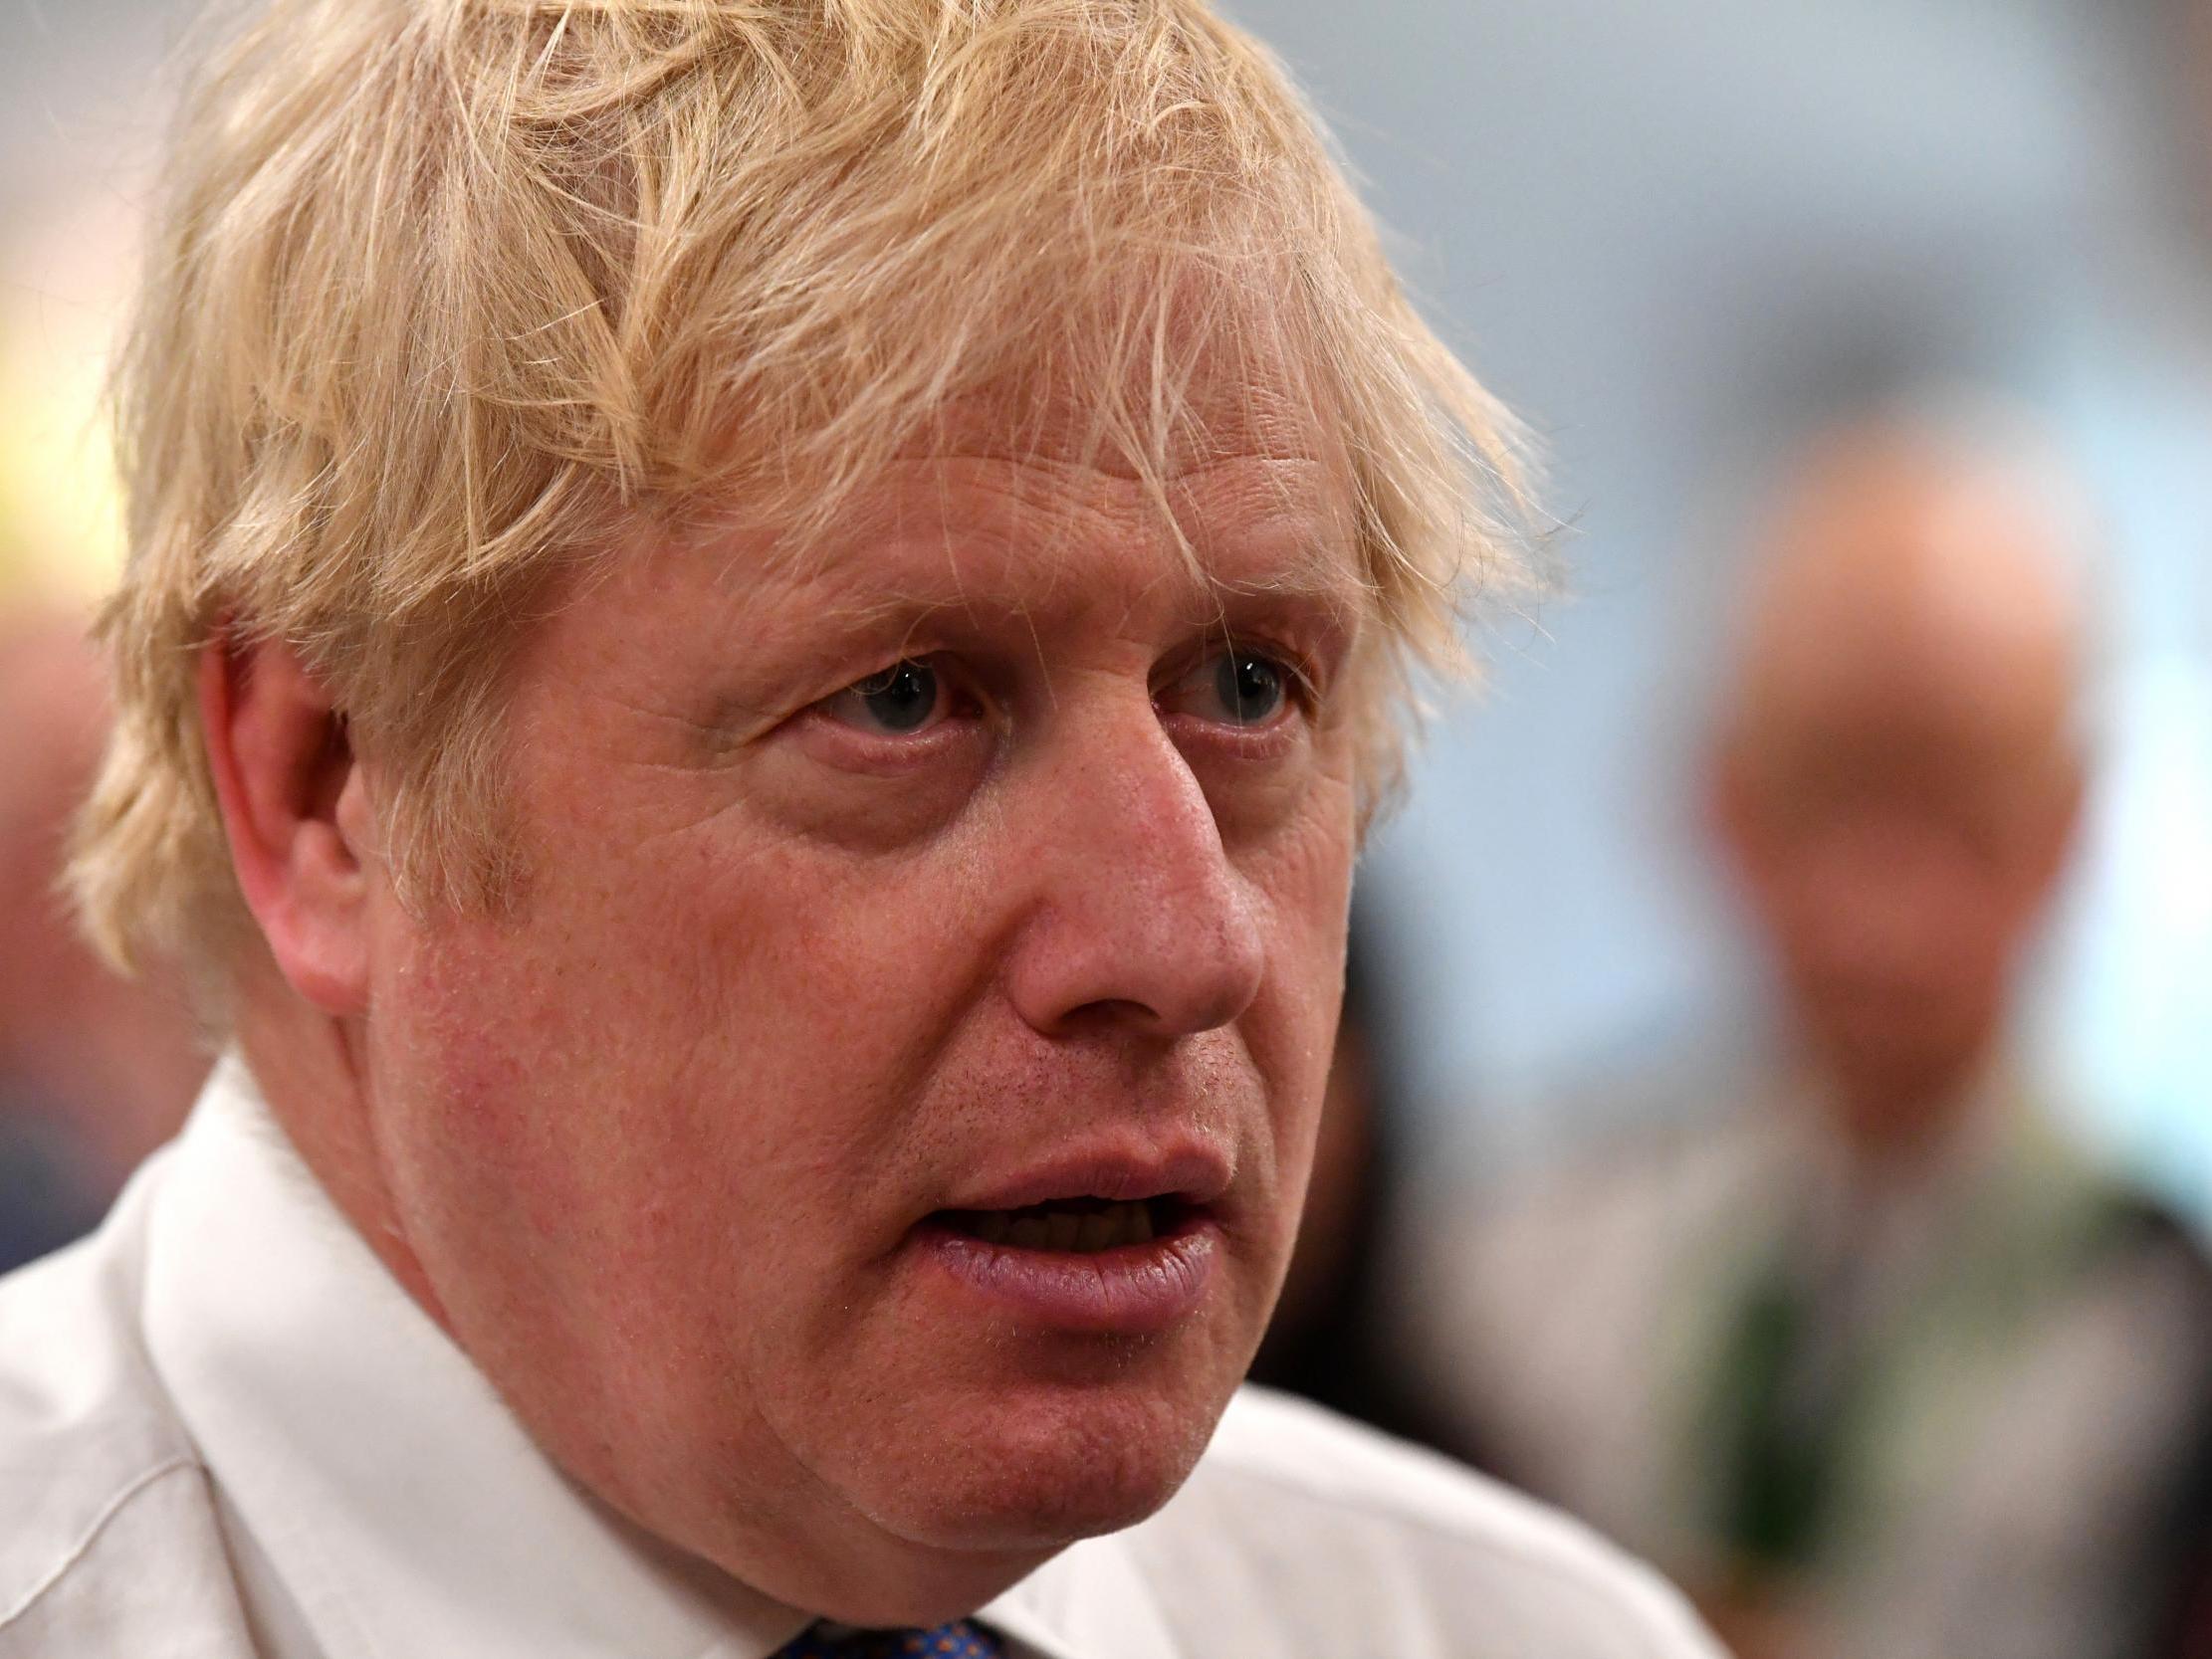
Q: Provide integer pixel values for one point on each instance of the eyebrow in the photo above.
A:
(880, 565)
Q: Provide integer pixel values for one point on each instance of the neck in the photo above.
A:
(1895, 1120)
(311, 1071)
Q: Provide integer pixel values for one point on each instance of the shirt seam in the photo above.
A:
(99, 1523)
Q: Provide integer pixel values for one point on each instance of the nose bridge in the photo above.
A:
(1138, 912)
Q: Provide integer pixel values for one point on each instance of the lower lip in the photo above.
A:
(1131, 1290)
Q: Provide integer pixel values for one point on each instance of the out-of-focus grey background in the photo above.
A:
(1673, 238)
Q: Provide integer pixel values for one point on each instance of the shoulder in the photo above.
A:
(108, 1540)
(1636, 1198)
(1337, 1535)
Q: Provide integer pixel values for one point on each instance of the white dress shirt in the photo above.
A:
(224, 1431)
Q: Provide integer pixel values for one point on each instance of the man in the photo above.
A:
(1879, 1365)
(756, 643)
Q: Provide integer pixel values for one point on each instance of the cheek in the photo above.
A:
(687, 1090)
(665, 1070)
(1302, 881)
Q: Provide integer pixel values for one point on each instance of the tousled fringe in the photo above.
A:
(441, 293)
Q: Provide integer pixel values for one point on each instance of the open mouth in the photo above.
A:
(1116, 1249)
(1079, 1226)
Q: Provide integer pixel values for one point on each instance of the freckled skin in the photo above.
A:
(652, 1146)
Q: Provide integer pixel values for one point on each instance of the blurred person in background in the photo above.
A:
(94, 1072)
(1879, 1364)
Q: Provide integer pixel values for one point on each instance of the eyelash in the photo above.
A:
(964, 705)
(1303, 694)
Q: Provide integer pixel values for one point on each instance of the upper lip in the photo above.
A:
(1189, 1170)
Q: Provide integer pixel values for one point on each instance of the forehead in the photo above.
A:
(1017, 498)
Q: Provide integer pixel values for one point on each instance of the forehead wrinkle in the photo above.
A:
(996, 538)
(1271, 529)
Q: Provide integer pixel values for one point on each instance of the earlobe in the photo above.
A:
(295, 812)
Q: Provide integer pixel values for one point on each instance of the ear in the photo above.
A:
(297, 813)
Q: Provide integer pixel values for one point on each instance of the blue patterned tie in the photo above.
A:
(960, 1639)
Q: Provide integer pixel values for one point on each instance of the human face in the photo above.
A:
(1898, 883)
(981, 859)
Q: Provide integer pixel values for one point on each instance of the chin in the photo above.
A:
(1038, 1473)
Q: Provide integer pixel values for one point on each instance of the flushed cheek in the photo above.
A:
(686, 1049)
(1301, 879)
(758, 1040)
(612, 1235)
(623, 1089)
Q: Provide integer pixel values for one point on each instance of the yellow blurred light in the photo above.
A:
(63, 288)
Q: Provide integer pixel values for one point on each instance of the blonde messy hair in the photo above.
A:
(444, 292)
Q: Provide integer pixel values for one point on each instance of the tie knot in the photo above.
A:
(960, 1639)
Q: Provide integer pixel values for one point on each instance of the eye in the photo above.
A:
(908, 697)
(1235, 688)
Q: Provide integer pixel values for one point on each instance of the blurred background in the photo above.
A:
(1719, 253)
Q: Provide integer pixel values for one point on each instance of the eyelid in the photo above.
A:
(1305, 676)
(1301, 692)
(957, 693)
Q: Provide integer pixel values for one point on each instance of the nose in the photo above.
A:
(1136, 916)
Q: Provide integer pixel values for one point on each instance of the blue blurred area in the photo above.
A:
(44, 1201)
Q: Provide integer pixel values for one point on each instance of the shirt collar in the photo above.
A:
(397, 1499)
(396, 1496)
(1090, 1601)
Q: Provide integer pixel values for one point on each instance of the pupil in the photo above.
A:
(1250, 687)
(902, 696)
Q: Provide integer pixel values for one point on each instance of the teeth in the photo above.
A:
(1078, 1230)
